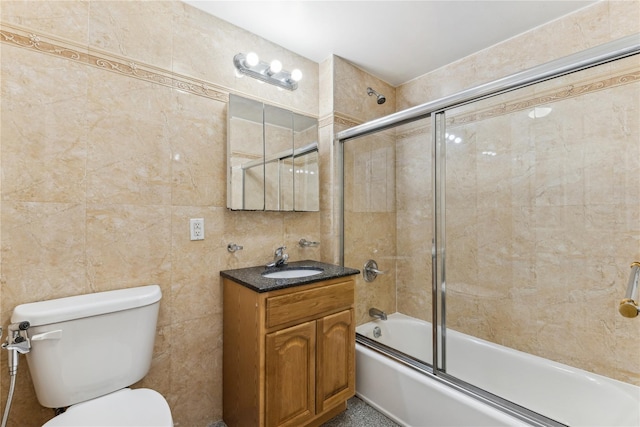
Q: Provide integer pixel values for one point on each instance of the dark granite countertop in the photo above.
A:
(252, 278)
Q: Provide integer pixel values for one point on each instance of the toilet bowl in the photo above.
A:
(138, 407)
(86, 351)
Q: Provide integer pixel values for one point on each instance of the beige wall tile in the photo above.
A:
(43, 128)
(140, 29)
(128, 155)
(66, 18)
(103, 167)
(128, 245)
(350, 92)
(43, 248)
(204, 47)
(197, 137)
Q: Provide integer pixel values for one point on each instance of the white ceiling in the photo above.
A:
(394, 40)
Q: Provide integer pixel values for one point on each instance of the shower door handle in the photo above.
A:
(629, 305)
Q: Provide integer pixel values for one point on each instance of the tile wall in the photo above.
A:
(113, 136)
(370, 217)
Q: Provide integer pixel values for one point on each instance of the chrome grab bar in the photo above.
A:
(629, 305)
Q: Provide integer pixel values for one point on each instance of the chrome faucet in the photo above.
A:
(280, 258)
(377, 313)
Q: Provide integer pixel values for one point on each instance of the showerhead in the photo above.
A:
(381, 99)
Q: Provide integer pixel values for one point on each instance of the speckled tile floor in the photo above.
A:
(358, 414)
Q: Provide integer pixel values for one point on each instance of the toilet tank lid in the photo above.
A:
(79, 306)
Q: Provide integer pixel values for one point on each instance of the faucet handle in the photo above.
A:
(304, 243)
(370, 271)
(232, 247)
(280, 250)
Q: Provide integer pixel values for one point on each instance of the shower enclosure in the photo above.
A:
(510, 213)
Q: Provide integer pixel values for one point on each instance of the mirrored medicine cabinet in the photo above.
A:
(272, 158)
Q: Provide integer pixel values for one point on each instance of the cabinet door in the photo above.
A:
(335, 371)
(290, 375)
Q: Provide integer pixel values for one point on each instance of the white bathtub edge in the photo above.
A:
(414, 400)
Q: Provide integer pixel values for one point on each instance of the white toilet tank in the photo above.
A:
(86, 346)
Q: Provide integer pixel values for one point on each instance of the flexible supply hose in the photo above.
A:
(12, 386)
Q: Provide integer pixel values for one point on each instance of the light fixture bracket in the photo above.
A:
(262, 72)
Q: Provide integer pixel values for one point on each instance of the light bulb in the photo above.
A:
(252, 59)
(275, 66)
(296, 75)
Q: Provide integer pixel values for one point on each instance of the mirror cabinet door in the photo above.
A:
(306, 189)
(272, 158)
(245, 154)
(278, 147)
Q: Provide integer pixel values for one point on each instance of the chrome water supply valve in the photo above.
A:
(17, 342)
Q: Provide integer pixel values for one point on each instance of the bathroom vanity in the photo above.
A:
(289, 345)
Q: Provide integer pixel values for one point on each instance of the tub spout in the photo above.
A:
(378, 314)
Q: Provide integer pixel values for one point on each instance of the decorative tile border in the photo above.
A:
(345, 120)
(33, 41)
(325, 121)
(15, 36)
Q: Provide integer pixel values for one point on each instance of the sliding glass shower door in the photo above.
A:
(509, 218)
(541, 214)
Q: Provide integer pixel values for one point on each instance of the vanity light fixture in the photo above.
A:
(268, 72)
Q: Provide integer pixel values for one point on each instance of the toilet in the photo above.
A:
(86, 351)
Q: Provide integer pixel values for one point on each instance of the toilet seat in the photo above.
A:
(126, 407)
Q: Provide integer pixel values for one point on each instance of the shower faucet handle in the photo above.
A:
(370, 271)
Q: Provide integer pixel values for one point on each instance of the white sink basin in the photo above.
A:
(293, 273)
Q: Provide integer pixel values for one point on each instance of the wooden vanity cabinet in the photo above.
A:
(288, 355)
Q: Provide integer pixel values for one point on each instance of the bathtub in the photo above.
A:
(568, 395)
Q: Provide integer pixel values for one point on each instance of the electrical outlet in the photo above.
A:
(196, 226)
